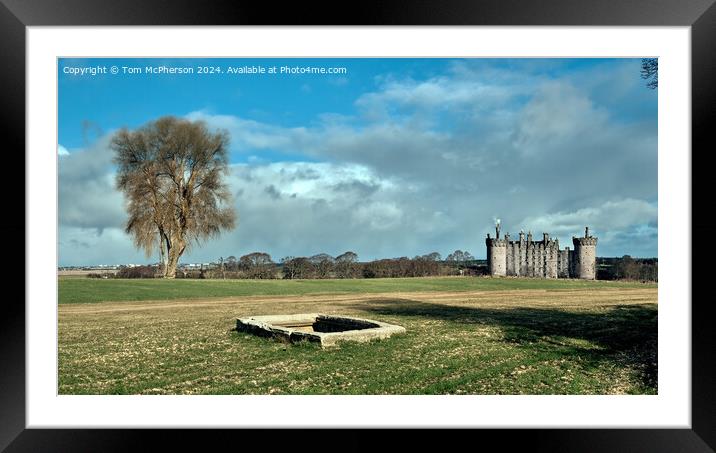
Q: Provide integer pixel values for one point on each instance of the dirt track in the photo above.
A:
(330, 302)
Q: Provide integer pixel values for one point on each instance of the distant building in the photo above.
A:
(543, 259)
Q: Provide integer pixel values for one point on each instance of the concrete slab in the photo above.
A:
(328, 330)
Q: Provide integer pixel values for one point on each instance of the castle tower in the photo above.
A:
(585, 254)
(551, 250)
(496, 253)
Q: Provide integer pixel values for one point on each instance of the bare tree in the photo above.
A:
(346, 265)
(323, 264)
(288, 267)
(422, 266)
(348, 257)
(257, 265)
(434, 256)
(297, 267)
(171, 173)
(255, 259)
(460, 256)
(232, 263)
(650, 70)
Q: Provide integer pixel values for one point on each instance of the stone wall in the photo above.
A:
(564, 263)
(527, 258)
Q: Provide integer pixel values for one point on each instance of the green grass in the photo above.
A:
(577, 338)
(87, 290)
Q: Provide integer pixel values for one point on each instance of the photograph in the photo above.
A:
(399, 219)
(357, 226)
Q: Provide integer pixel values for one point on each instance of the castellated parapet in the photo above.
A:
(525, 257)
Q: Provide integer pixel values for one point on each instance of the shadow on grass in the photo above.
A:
(625, 335)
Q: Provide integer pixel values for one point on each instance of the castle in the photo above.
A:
(527, 258)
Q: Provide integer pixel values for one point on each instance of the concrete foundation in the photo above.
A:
(324, 329)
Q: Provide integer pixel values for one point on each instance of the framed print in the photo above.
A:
(239, 177)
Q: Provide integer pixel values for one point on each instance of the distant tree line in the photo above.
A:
(260, 265)
(628, 268)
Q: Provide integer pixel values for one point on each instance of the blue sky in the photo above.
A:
(396, 157)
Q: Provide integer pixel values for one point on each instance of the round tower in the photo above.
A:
(585, 253)
(496, 254)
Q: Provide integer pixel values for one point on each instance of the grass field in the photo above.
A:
(464, 336)
(85, 290)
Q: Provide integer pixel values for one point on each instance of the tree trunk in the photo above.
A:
(175, 250)
(163, 251)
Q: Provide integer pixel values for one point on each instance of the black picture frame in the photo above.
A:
(700, 15)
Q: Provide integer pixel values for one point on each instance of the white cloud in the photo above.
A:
(460, 88)
(252, 135)
(301, 208)
(306, 180)
(62, 151)
(477, 129)
(612, 222)
(87, 195)
(611, 215)
(378, 215)
(82, 246)
(556, 114)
